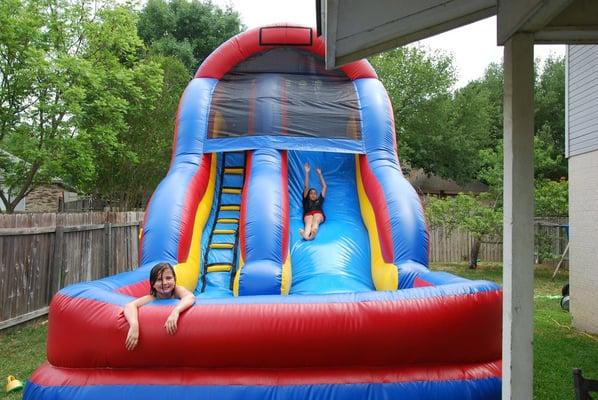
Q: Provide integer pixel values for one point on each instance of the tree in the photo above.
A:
(480, 215)
(438, 130)
(129, 181)
(491, 85)
(467, 133)
(549, 94)
(70, 73)
(550, 114)
(551, 198)
(186, 30)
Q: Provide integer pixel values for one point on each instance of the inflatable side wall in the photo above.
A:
(264, 232)
(180, 205)
(390, 207)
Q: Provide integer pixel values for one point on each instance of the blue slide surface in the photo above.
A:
(338, 259)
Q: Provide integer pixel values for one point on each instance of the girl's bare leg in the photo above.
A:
(307, 220)
(315, 224)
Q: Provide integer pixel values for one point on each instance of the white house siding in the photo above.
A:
(582, 137)
(582, 99)
(583, 236)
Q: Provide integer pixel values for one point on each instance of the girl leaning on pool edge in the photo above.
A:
(162, 286)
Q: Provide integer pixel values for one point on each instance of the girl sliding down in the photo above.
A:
(162, 286)
(313, 215)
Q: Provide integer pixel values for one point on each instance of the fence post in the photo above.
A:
(108, 249)
(55, 276)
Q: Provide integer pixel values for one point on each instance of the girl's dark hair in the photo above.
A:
(314, 189)
(156, 273)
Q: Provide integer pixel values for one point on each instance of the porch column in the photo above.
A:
(518, 236)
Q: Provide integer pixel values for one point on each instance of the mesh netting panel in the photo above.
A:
(285, 92)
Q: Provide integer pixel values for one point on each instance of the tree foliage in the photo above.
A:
(438, 129)
(551, 198)
(70, 75)
(186, 30)
(480, 215)
(129, 181)
(550, 115)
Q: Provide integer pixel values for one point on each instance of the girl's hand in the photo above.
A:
(306, 167)
(132, 338)
(171, 322)
(319, 171)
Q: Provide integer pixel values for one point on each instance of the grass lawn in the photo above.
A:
(557, 347)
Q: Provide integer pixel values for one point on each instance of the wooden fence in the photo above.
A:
(551, 234)
(41, 253)
(455, 246)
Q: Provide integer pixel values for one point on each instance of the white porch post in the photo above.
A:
(518, 237)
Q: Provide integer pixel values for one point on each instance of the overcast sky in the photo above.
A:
(473, 46)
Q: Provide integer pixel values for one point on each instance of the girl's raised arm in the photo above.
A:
(307, 168)
(322, 181)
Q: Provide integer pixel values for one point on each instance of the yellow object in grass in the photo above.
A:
(13, 384)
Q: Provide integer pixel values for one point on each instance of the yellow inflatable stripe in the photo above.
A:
(285, 285)
(224, 231)
(230, 207)
(234, 171)
(220, 268)
(384, 275)
(231, 190)
(238, 275)
(221, 245)
(187, 272)
(227, 220)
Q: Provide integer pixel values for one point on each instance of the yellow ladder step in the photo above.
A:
(219, 268)
(227, 221)
(230, 207)
(224, 231)
(221, 245)
(235, 171)
(231, 190)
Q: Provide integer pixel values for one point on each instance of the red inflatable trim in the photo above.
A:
(284, 206)
(258, 40)
(293, 36)
(375, 194)
(195, 192)
(419, 282)
(243, 213)
(47, 375)
(390, 333)
(141, 239)
(137, 289)
(392, 122)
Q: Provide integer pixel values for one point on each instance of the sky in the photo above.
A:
(473, 46)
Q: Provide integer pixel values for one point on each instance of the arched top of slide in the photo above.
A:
(258, 40)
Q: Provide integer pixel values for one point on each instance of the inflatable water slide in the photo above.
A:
(355, 313)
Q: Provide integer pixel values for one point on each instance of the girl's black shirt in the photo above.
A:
(313, 205)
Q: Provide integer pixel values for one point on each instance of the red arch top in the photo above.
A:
(257, 40)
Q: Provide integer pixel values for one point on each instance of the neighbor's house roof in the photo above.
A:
(433, 184)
